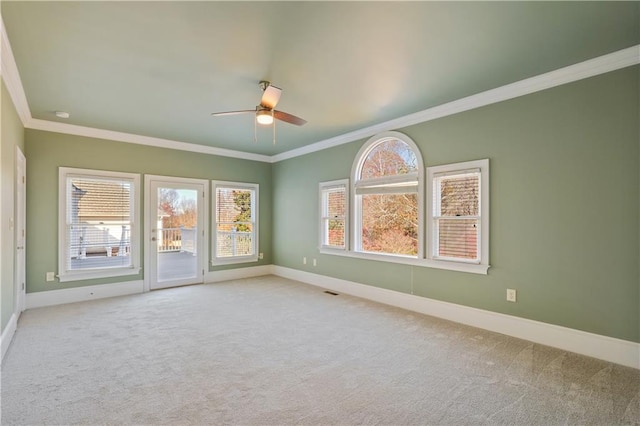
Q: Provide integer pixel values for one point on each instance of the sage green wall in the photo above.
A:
(47, 151)
(12, 136)
(564, 207)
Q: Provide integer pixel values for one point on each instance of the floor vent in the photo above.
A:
(331, 293)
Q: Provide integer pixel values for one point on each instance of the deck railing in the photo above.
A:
(99, 240)
(234, 243)
(177, 239)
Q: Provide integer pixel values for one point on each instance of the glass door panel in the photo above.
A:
(176, 222)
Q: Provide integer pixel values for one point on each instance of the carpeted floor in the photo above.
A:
(270, 351)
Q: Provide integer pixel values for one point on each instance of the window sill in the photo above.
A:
(233, 260)
(423, 263)
(89, 275)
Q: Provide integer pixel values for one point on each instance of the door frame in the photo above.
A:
(149, 225)
(20, 241)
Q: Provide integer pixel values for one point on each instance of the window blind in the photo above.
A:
(99, 222)
(334, 205)
(457, 214)
(235, 223)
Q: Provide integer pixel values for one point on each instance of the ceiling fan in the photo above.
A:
(266, 112)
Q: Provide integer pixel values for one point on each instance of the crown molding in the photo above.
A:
(11, 77)
(590, 68)
(72, 129)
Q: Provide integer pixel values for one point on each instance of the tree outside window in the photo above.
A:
(387, 197)
(235, 216)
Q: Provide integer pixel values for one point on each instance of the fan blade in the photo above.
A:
(270, 97)
(289, 118)
(218, 114)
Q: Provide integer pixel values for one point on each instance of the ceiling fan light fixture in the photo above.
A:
(264, 117)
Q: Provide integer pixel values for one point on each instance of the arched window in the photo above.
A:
(381, 213)
(387, 190)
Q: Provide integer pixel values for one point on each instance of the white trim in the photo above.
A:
(325, 187)
(20, 225)
(63, 202)
(234, 260)
(610, 349)
(82, 294)
(7, 334)
(101, 291)
(149, 224)
(433, 172)
(146, 205)
(238, 273)
(255, 215)
(589, 68)
(357, 186)
(11, 77)
(472, 268)
(81, 275)
(72, 129)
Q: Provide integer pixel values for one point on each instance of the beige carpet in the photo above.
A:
(269, 351)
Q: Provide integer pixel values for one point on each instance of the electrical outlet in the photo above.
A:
(261, 256)
(315, 262)
(304, 260)
(51, 276)
(511, 295)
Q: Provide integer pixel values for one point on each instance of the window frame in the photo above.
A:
(227, 260)
(356, 199)
(425, 257)
(324, 188)
(481, 265)
(64, 275)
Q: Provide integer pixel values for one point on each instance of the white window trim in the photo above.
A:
(425, 256)
(325, 186)
(412, 261)
(76, 275)
(355, 201)
(215, 260)
(482, 265)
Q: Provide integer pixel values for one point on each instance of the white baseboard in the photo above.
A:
(239, 273)
(594, 345)
(81, 294)
(7, 334)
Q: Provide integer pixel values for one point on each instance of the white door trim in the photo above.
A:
(148, 225)
(20, 276)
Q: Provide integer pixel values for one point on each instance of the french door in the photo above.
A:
(175, 230)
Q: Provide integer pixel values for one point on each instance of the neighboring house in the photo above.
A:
(100, 222)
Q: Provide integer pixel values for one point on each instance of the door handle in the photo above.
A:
(20, 247)
(153, 238)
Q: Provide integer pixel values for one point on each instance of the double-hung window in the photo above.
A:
(379, 214)
(334, 208)
(235, 206)
(387, 195)
(98, 224)
(458, 210)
